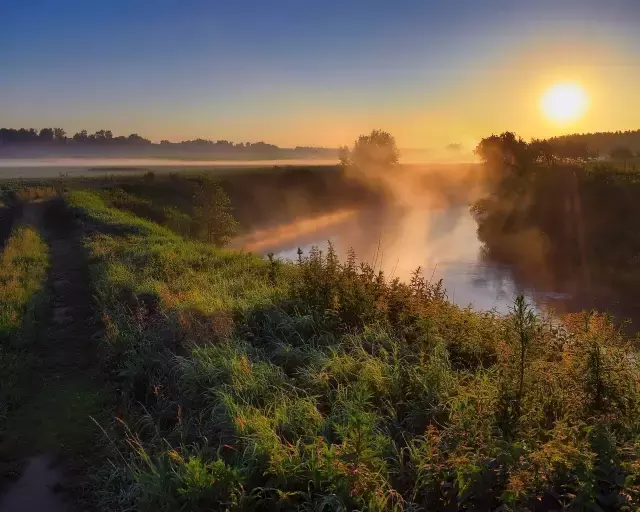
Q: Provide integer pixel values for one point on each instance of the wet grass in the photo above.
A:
(23, 267)
(248, 384)
(152, 260)
(47, 397)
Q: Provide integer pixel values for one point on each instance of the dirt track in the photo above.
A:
(51, 436)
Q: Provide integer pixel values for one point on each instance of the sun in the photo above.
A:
(564, 103)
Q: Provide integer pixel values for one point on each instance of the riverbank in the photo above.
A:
(253, 383)
(50, 366)
(571, 228)
(257, 384)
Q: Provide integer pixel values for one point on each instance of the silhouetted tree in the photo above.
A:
(81, 136)
(134, 138)
(504, 151)
(212, 212)
(376, 151)
(46, 135)
(573, 151)
(621, 153)
(603, 142)
(542, 152)
(344, 155)
(59, 135)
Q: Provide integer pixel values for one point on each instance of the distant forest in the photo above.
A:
(31, 142)
(46, 141)
(603, 143)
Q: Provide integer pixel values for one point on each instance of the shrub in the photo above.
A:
(330, 387)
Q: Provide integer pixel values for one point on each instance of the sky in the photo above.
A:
(311, 72)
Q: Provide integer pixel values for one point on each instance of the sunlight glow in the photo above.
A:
(564, 102)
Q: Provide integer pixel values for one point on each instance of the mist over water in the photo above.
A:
(78, 166)
(443, 243)
(423, 221)
(52, 167)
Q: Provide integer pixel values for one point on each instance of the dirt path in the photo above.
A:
(7, 216)
(51, 435)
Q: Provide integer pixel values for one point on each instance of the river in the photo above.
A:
(442, 242)
(414, 227)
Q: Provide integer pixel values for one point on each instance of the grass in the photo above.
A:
(23, 268)
(181, 273)
(257, 385)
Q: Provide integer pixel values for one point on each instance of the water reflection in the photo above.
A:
(398, 240)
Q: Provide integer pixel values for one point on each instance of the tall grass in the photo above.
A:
(23, 267)
(321, 385)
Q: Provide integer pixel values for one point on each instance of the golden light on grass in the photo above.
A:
(565, 102)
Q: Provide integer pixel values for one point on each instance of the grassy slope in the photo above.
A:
(321, 386)
(23, 268)
(142, 257)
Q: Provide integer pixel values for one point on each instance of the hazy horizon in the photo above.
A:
(305, 74)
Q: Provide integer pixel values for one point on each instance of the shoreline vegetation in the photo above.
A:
(23, 268)
(321, 384)
(570, 221)
(245, 383)
(55, 142)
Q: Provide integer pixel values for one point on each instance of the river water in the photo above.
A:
(397, 237)
(442, 242)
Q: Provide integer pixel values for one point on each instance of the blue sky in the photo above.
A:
(312, 72)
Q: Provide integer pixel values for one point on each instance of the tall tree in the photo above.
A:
(59, 135)
(504, 151)
(212, 212)
(46, 135)
(81, 136)
(376, 151)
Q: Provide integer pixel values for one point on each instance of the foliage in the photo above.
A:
(590, 250)
(324, 386)
(23, 267)
(509, 154)
(212, 212)
(505, 150)
(374, 152)
(56, 139)
(603, 142)
(621, 153)
(208, 211)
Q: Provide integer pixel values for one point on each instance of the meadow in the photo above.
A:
(23, 268)
(237, 382)
(253, 384)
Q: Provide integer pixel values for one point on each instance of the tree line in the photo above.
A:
(10, 136)
(509, 150)
(58, 136)
(604, 142)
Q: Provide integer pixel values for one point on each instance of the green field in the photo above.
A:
(323, 386)
(23, 268)
(234, 382)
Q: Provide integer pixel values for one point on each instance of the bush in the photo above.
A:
(323, 385)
